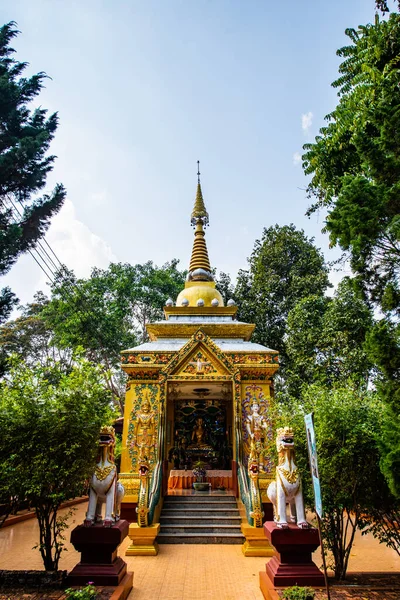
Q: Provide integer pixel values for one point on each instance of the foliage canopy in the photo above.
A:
(49, 427)
(284, 267)
(347, 424)
(25, 137)
(355, 161)
(325, 340)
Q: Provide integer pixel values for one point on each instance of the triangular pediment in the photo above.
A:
(199, 358)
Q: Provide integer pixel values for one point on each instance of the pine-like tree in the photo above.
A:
(25, 137)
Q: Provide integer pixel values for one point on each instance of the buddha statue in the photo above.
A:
(199, 436)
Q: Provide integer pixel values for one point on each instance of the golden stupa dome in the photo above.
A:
(199, 293)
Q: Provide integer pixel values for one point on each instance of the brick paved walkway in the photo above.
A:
(190, 572)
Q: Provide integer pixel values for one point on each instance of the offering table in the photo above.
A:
(179, 479)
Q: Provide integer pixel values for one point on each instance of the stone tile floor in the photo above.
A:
(188, 572)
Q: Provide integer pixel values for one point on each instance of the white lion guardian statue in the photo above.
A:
(104, 487)
(286, 489)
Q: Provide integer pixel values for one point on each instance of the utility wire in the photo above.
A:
(63, 289)
(31, 252)
(47, 244)
(38, 243)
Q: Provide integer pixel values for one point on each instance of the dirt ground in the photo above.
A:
(23, 594)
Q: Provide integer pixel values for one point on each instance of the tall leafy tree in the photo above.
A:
(355, 169)
(355, 161)
(225, 286)
(348, 423)
(383, 343)
(325, 340)
(284, 267)
(108, 312)
(25, 136)
(31, 338)
(384, 7)
(49, 427)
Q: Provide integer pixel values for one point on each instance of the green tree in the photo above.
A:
(355, 168)
(383, 6)
(109, 311)
(325, 340)
(225, 286)
(355, 161)
(30, 338)
(348, 424)
(284, 267)
(25, 137)
(383, 344)
(49, 427)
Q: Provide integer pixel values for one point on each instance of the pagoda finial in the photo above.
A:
(199, 268)
(199, 209)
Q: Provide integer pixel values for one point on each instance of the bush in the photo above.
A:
(298, 593)
(89, 592)
(348, 423)
(49, 427)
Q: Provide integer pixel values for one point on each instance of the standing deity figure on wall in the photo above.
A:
(256, 425)
(145, 431)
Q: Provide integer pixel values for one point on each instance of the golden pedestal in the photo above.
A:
(256, 543)
(142, 538)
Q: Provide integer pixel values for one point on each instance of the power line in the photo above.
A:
(39, 244)
(31, 251)
(47, 244)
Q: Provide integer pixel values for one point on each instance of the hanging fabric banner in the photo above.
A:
(312, 453)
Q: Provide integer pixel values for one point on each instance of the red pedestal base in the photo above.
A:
(98, 546)
(293, 563)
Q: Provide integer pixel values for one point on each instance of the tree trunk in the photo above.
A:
(48, 536)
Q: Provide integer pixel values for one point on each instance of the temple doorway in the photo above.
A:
(199, 428)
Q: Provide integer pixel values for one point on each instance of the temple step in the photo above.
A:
(205, 538)
(196, 520)
(223, 512)
(200, 496)
(209, 519)
(204, 528)
(198, 505)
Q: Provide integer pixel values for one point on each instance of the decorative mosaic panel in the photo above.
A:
(255, 393)
(142, 392)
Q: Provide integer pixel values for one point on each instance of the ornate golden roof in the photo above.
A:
(168, 329)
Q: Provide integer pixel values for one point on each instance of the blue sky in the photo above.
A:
(145, 89)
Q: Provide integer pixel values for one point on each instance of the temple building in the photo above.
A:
(198, 399)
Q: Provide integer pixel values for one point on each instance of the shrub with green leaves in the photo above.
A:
(49, 427)
(89, 592)
(298, 593)
(348, 422)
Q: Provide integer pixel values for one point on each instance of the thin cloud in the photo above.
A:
(306, 121)
(296, 159)
(77, 246)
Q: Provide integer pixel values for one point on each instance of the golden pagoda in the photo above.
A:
(199, 392)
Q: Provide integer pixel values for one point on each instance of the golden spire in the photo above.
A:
(199, 269)
(199, 259)
(200, 288)
(199, 209)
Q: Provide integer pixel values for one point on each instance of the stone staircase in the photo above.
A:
(201, 518)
